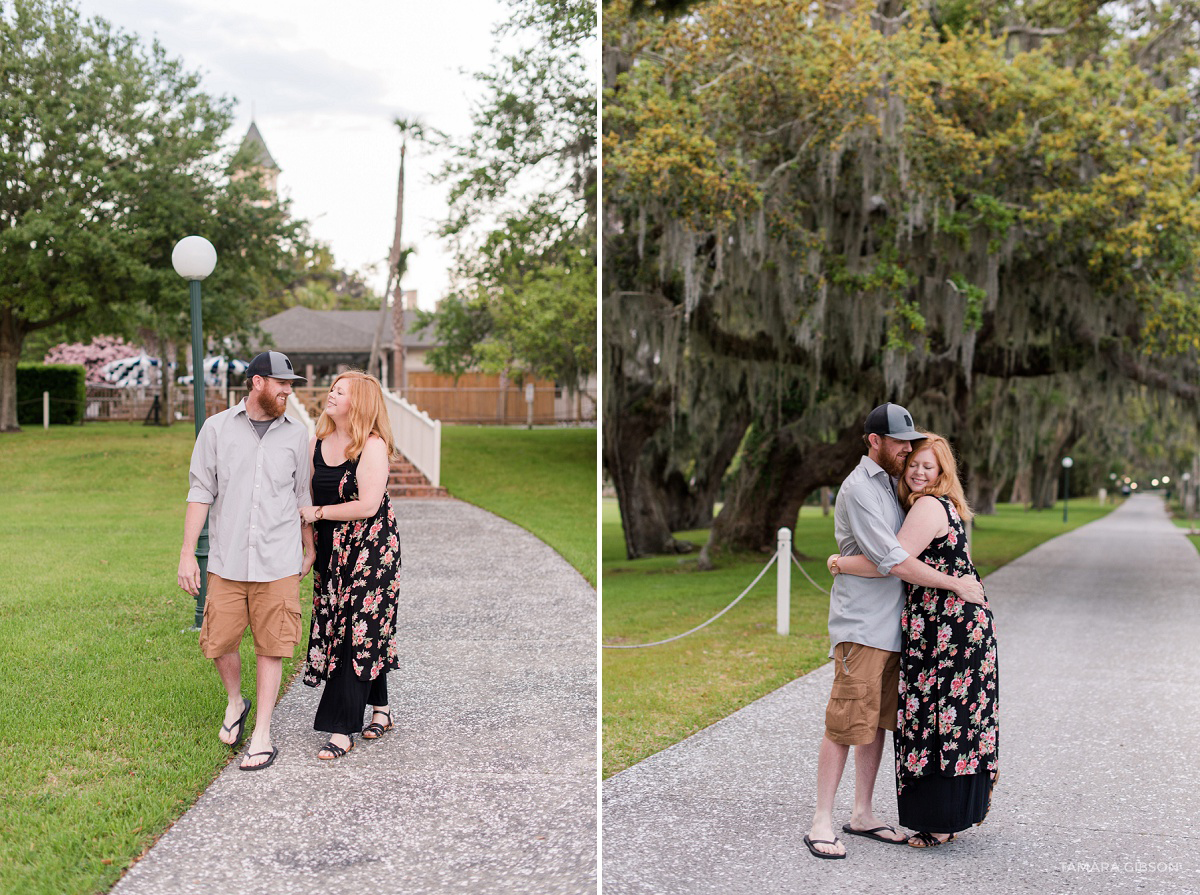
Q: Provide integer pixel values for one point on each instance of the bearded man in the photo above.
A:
(250, 476)
(864, 629)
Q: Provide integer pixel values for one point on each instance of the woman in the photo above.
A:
(946, 738)
(352, 644)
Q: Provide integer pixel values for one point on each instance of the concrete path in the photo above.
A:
(1099, 786)
(488, 782)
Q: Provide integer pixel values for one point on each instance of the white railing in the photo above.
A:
(297, 412)
(417, 435)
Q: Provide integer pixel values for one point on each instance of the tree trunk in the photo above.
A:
(11, 337)
(167, 354)
(982, 493)
(772, 485)
(690, 502)
(635, 466)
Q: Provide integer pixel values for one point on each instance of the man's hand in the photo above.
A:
(310, 557)
(970, 589)
(189, 573)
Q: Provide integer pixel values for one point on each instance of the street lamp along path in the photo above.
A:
(194, 258)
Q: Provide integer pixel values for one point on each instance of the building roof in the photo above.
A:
(258, 148)
(300, 329)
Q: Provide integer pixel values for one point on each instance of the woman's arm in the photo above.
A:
(372, 475)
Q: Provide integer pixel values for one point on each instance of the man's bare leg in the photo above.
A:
(269, 672)
(831, 762)
(229, 668)
(866, 767)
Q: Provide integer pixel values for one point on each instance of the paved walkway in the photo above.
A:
(487, 784)
(1099, 786)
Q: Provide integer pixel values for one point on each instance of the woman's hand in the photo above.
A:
(832, 563)
(309, 515)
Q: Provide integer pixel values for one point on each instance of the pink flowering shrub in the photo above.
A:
(92, 356)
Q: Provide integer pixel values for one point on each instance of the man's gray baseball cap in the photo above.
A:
(893, 421)
(274, 364)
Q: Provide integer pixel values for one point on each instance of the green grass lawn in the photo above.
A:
(657, 696)
(542, 479)
(110, 712)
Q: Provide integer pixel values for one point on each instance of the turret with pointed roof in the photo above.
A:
(261, 161)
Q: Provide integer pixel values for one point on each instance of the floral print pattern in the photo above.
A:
(355, 593)
(949, 685)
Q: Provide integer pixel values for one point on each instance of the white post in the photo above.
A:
(783, 582)
(45, 410)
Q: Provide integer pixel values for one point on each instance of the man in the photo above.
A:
(250, 476)
(864, 629)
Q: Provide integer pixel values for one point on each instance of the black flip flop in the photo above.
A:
(818, 853)
(265, 764)
(240, 724)
(874, 834)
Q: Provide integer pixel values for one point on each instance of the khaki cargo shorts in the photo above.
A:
(271, 609)
(865, 696)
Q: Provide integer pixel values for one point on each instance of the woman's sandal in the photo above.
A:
(928, 840)
(374, 730)
(335, 751)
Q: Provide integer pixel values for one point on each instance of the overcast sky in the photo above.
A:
(326, 82)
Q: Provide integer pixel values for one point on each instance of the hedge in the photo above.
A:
(66, 384)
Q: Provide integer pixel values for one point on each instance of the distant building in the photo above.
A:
(324, 343)
(263, 163)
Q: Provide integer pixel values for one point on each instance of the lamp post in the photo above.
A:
(194, 259)
(1188, 504)
(1067, 462)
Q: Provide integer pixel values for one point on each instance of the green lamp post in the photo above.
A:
(1067, 463)
(194, 259)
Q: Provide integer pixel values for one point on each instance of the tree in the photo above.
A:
(847, 205)
(109, 154)
(523, 205)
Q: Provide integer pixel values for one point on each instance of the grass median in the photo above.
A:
(110, 712)
(542, 479)
(656, 696)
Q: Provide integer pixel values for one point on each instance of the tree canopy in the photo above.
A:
(811, 210)
(109, 154)
(523, 205)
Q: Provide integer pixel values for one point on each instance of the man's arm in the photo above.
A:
(189, 568)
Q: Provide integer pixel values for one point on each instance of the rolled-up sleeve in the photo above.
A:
(202, 474)
(868, 521)
(304, 475)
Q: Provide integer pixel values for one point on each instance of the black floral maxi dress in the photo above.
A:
(947, 748)
(352, 642)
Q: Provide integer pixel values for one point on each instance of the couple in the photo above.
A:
(919, 658)
(252, 473)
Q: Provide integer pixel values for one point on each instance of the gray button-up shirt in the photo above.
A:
(865, 521)
(256, 488)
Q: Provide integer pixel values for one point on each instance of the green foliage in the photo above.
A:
(67, 385)
(898, 205)
(109, 152)
(523, 205)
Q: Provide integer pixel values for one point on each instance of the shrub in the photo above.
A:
(66, 385)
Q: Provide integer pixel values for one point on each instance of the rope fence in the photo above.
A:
(783, 591)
